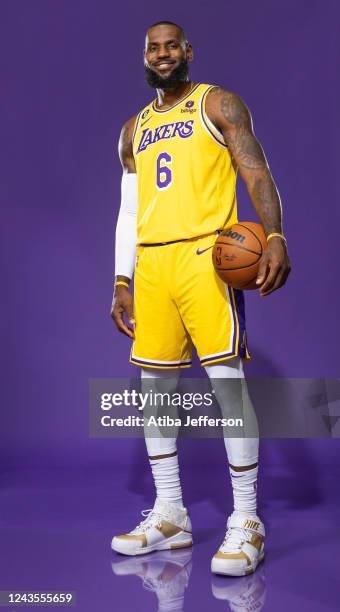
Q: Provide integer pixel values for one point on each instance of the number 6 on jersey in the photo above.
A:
(164, 174)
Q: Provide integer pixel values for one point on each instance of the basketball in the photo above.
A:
(237, 252)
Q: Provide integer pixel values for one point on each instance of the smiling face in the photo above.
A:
(166, 56)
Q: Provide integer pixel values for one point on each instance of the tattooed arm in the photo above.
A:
(230, 115)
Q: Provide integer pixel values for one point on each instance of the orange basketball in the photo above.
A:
(237, 252)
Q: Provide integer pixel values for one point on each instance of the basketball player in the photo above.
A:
(180, 156)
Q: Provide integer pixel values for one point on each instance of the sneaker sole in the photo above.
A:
(217, 568)
(180, 540)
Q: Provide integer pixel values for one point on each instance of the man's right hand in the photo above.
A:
(122, 302)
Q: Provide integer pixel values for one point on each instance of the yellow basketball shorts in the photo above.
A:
(180, 300)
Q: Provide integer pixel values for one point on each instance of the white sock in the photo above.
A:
(166, 477)
(165, 471)
(244, 490)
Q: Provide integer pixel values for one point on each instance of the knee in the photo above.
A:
(230, 368)
(155, 380)
(160, 373)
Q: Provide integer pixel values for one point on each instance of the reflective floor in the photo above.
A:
(56, 527)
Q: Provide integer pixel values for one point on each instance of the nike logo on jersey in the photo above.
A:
(198, 252)
(144, 122)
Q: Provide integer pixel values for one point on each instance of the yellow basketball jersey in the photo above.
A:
(186, 179)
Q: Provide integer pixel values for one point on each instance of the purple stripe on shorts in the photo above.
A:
(159, 363)
(240, 307)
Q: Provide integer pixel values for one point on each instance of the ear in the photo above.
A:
(144, 57)
(190, 52)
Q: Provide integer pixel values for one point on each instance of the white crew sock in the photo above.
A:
(166, 477)
(165, 470)
(244, 490)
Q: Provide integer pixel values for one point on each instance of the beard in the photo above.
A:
(179, 75)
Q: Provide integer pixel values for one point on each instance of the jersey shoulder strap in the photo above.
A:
(207, 123)
(143, 114)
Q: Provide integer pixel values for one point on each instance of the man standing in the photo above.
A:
(180, 157)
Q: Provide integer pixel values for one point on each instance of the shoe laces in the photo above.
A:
(152, 519)
(234, 538)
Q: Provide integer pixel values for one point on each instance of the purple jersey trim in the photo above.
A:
(177, 103)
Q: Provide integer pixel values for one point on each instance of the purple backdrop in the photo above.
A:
(71, 75)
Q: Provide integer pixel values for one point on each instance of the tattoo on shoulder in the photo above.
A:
(125, 147)
(239, 134)
(234, 109)
(126, 139)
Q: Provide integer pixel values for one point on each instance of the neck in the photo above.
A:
(168, 97)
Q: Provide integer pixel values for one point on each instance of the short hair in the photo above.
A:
(172, 23)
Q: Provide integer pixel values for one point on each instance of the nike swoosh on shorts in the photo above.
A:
(198, 252)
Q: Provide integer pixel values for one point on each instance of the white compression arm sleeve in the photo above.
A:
(126, 229)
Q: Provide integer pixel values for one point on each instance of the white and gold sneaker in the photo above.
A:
(166, 526)
(242, 548)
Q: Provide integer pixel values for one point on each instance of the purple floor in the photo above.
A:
(56, 527)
